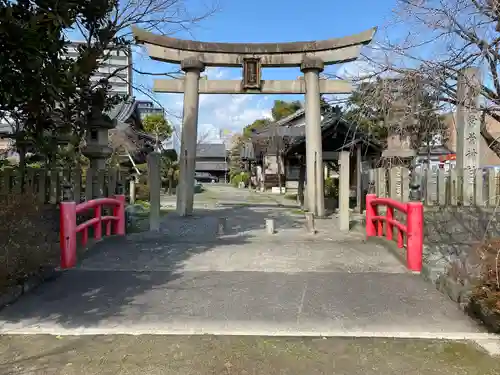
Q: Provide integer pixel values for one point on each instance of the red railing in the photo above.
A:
(69, 228)
(413, 229)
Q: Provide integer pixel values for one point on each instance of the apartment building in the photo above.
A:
(119, 62)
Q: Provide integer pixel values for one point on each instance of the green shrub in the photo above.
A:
(143, 168)
(35, 165)
(144, 204)
(331, 188)
(242, 177)
(235, 180)
(142, 191)
(245, 177)
(29, 236)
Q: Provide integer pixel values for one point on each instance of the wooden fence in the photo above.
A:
(437, 187)
(49, 184)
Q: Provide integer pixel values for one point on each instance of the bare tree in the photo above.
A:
(103, 39)
(436, 39)
(405, 105)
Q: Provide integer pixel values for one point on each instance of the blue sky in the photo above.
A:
(260, 21)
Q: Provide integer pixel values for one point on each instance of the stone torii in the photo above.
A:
(311, 57)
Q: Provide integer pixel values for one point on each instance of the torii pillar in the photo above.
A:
(189, 135)
(311, 67)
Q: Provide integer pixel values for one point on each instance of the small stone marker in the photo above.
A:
(270, 226)
(221, 226)
(310, 222)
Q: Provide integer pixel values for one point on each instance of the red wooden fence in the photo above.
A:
(413, 229)
(69, 228)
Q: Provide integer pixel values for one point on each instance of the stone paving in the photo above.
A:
(186, 279)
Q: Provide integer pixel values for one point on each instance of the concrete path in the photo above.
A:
(188, 280)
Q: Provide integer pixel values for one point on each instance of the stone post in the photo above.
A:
(359, 179)
(132, 183)
(154, 190)
(468, 129)
(270, 228)
(185, 190)
(311, 67)
(344, 187)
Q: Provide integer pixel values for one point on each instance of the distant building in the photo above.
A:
(146, 107)
(121, 82)
(212, 158)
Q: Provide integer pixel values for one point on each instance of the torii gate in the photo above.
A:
(311, 57)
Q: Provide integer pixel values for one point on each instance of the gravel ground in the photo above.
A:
(89, 355)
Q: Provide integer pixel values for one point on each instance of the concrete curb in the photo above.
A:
(237, 329)
(487, 341)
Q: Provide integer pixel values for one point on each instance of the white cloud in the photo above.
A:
(227, 113)
(215, 73)
(356, 70)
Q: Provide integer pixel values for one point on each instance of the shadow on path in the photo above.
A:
(103, 292)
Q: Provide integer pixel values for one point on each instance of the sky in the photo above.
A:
(259, 21)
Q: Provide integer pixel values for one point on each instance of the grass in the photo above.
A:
(141, 223)
(168, 355)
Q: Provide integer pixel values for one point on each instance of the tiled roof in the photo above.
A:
(334, 120)
(122, 111)
(280, 123)
(211, 150)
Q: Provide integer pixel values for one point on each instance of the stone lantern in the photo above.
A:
(399, 151)
(97, 148)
